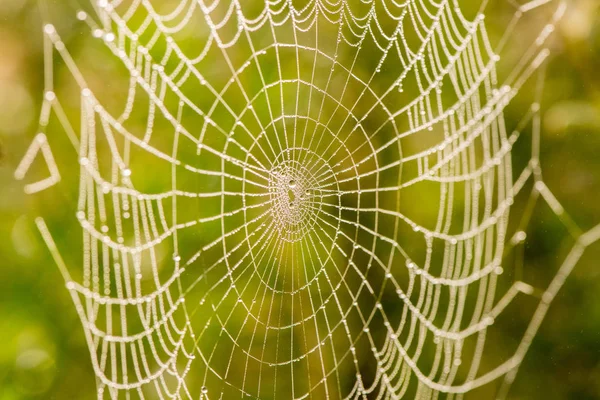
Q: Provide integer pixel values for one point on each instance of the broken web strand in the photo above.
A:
(396, 367)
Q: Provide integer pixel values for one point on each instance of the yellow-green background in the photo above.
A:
(43, 354)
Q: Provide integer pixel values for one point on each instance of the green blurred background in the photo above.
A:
(43, 354)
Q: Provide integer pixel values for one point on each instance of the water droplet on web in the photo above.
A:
(204, 389)
(292, 184)
(50, 96)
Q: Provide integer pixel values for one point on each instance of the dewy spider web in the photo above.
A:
(287, 148)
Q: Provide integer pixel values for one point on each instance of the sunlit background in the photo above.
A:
(43, 353)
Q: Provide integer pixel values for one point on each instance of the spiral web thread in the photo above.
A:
(293, 268)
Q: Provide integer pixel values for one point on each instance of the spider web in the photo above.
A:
(300, 199)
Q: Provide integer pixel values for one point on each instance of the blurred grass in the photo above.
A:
(43, 354)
